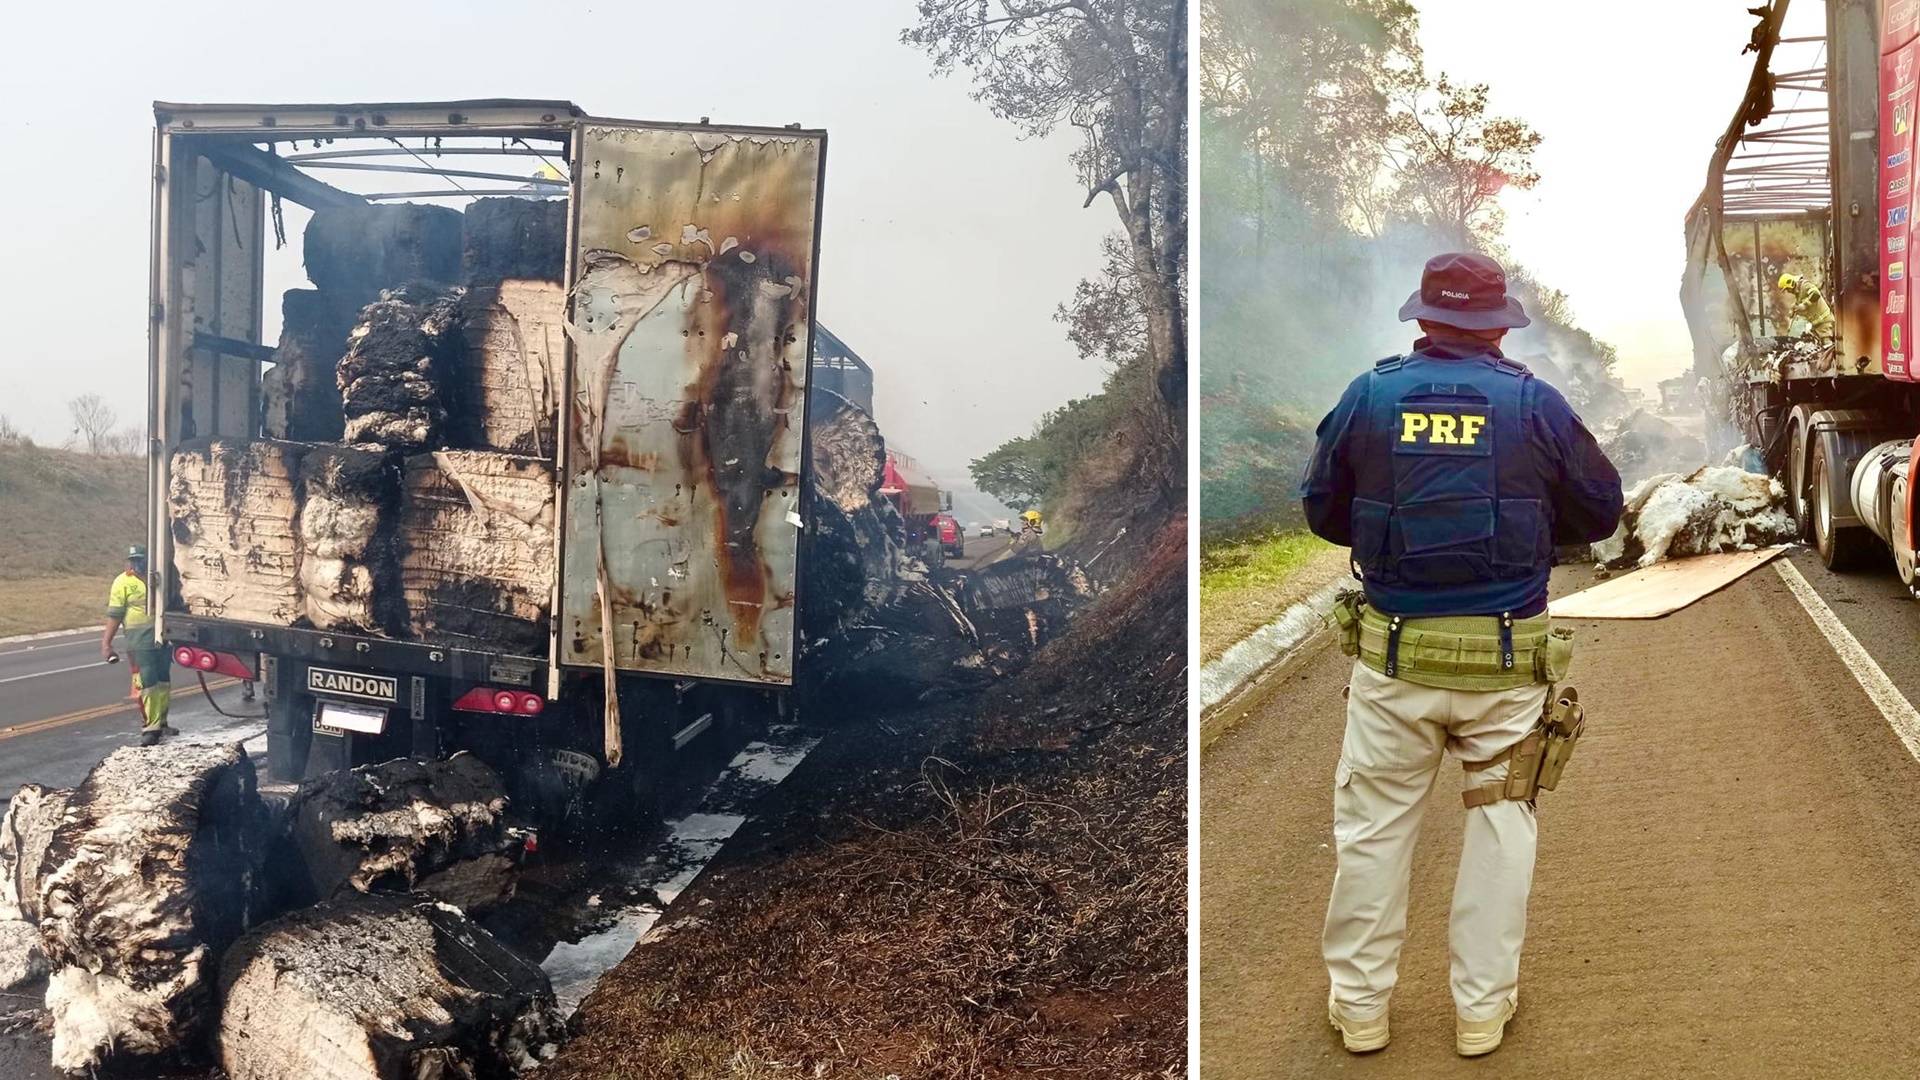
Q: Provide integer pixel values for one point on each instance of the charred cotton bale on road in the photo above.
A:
(439, 827)
(25, 832)
(234, 508)
(300, 392)
(509, 377)
(1716, 509)
(476, 565)
(381, 988)
(150, 875)
(513, 238)
(400, 357)
(349, 571)
(356, 251)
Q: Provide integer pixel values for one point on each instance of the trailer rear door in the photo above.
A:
(693, 254)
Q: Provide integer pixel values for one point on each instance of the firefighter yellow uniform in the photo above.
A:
(1808, 304)
(127, 603)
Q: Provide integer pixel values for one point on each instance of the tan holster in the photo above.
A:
(1537, 761)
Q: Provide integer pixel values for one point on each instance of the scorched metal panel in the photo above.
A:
(690, 326)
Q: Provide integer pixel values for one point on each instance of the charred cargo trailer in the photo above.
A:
(520, 468)
(1814, 178)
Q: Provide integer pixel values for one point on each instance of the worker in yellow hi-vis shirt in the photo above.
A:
(127, 606)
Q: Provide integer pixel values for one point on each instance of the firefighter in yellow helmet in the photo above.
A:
(1808, 304)
(1030, 522)
(127, 607)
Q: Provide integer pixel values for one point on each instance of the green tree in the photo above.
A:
(1451, 160)
(1117, 71)
(1011, 473)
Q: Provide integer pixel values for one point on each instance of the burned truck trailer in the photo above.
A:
(1813, 177)
(522, 472)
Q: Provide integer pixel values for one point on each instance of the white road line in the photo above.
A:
(93, 640)
(1900, 713)
(45, 634)
(55, 671)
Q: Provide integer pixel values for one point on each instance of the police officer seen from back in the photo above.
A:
(1452, 473)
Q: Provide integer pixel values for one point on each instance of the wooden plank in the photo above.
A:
(1663, 588)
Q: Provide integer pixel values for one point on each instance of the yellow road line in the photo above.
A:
(95, 713)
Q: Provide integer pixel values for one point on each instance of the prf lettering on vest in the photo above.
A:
(1450, 428)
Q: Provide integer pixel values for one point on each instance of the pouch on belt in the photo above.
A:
(1472, 652)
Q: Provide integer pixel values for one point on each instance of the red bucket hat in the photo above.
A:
(1466, 290)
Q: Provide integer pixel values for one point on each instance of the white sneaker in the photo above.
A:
(1472, 1038)
(1359, 1036)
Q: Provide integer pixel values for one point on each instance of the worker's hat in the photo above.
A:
(1467, 290)
(1788, 281)
(137, 553)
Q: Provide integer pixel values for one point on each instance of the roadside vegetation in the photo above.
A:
(69, 518)
(1244, 583)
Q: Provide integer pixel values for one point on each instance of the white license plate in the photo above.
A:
(335, 719)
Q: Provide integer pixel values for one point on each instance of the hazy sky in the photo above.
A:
(1629, 96)
(947, 242)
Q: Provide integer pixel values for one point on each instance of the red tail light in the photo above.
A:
(196, 658)
(490, 700)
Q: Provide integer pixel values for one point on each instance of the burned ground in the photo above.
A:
(993, 888)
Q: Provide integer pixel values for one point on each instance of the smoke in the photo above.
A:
(1293, 309)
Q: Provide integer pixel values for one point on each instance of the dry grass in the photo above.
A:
(30, 605)
(1246, 584)
(68, 513)
(991, 894)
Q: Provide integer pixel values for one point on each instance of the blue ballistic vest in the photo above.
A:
(1452, 510)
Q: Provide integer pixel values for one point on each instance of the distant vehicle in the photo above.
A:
(1003, 525)
(952, 540)
(984, 528)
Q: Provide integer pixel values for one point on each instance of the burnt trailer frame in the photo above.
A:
(1773, 167)
(224, 141)
(224, 135)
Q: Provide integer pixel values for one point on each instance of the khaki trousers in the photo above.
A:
(1397, 733)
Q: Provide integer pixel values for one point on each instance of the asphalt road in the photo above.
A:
(980, 549)
(1728, 880)
(62, 709)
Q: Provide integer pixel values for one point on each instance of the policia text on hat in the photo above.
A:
(1451, 472)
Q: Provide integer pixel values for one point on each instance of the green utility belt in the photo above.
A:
(1474, 652)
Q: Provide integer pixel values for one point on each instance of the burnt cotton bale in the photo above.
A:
(381, 988)
(149, 877)
(26, 830)
(509, 375)
(300, 399)
(233, 506)
(356, 251)
(400, 359)
(476, 559)
(400, 826)
(349, 572)
(513, 238)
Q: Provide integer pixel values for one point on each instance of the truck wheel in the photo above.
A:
(1840, 548)
(1896, 536)
(1797, 481)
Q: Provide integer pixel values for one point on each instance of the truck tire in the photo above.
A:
(1903, 556)
(1840, 548)
(1797, 480)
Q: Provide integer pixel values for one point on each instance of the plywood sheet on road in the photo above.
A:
(1663, 588)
